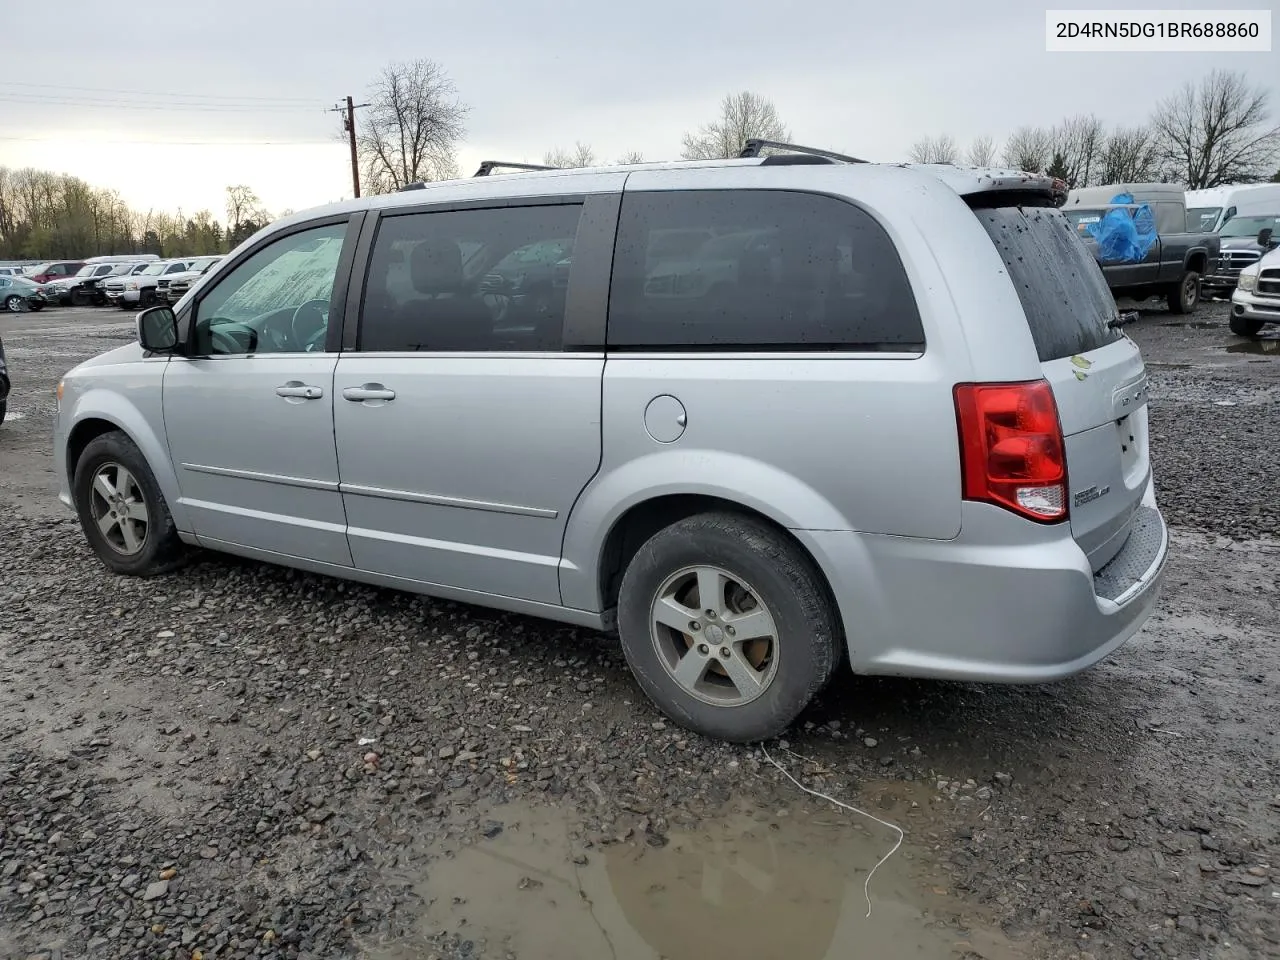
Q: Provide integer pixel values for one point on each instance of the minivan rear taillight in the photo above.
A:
(1012, 452)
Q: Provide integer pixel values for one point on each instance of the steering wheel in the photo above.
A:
(310, 322)
(223, 343)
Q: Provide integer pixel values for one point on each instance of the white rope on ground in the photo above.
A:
(866, 886)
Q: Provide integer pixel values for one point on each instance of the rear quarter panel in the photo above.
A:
(818, 441)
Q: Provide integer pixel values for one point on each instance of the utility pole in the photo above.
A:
(349, 126)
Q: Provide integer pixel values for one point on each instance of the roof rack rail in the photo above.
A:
(754, 146)
(488, 166)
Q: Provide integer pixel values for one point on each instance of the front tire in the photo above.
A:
(1246, 326)
(727, 626)
(122, 511)
(1185, 294)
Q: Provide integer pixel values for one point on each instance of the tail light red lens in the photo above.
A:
(1012, 452)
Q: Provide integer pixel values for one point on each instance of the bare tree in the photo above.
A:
(245, 215)
(243, 206)
(411, 130)
(1128, 155)
(1075, 144)
(580, 156)
(631, 156)
(934, 150)
(982, 152)
(743, 116)
(1216, 132)
(1028, 149)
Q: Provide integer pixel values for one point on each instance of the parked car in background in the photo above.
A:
(915, 451)
(54, 270)
(8, 270)
(1256, 300)
(140, 289)
(1241, 247)
(4, 383)
(171, 287)
(94, 293)
(1177, 259)
(68, 290)
(1213, 208)
(19, 293)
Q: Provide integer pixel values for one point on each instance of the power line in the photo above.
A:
(175, 106)
(178, 143)
(153, 93)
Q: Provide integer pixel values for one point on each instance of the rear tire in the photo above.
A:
(4, 408)
(1185, 294)
(1246, 326)
(770, 642)
(13, 303)
(122, 511)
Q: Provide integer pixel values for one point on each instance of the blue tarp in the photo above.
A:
(1125, 236)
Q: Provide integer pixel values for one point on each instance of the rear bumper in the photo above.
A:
(1000, 603)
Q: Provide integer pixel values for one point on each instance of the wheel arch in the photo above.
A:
(643, 519)
(624, 506)
(98, 413)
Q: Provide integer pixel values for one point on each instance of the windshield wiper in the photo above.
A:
(1123, 320)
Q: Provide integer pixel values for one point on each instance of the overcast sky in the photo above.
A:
(79, 95)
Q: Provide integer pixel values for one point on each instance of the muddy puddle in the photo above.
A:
(749, 884)
(1262, 345)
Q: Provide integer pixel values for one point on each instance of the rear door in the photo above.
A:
(466, 423)
(1098, 377)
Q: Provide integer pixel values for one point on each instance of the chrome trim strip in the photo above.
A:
(437, 500)
(304, 482)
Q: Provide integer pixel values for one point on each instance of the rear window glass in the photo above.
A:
(1068, 305)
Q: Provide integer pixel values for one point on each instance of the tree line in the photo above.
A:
(56, 216)
(1208, 133)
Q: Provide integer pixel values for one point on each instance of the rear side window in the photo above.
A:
(1063, 292)
(762, 269)
(470, 280)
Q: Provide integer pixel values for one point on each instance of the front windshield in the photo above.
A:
(1249, 226)
(87, 270)
(1202, 219)
(155, 270)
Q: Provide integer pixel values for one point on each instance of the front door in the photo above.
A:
(465, 432)
(249, 414)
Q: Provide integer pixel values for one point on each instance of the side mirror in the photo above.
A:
(1264, 237)
(158, 330)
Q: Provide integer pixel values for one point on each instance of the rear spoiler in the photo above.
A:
(1029, 190)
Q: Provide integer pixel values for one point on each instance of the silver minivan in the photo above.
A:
(756, 416)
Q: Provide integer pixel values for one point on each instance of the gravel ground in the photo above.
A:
(243, 761)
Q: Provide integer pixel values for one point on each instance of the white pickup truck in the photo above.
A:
(140, 290)
(171, 288)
